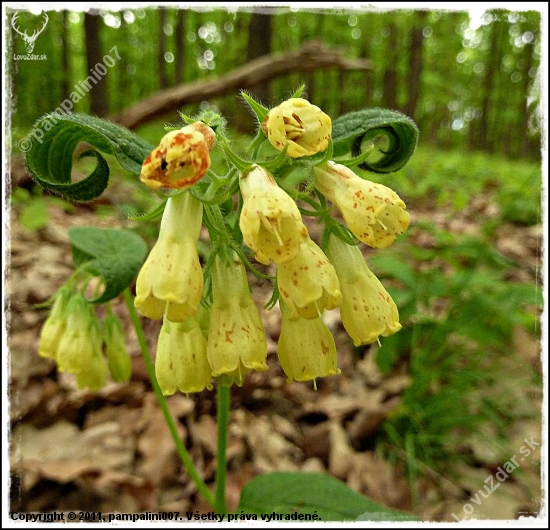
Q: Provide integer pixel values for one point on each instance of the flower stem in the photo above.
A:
(182, 451)
(221, 468)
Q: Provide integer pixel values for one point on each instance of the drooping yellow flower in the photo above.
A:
(306, 348)
(55, 325)
(80, 350)
(181, 159)
(305, 128)
(236, 337)
(270, 221)
(181, 362)
(308, 282)
(373, 212)
(367, 310)
(171, 280)
(120, 364)
(81, 340)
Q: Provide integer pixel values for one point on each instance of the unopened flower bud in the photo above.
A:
(305, 128)
(120, 364)
(181, 159)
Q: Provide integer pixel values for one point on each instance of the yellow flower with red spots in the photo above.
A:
(367, 310)
(373, 212)
(308, 283)
(270, 221)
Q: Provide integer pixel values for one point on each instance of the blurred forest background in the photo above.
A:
(417, 424)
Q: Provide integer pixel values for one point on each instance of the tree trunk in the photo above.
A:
(161, 51)
(180, 47)
(65, 65)
(259, 44)
(390, 74)
(414, 79)
(99, 105)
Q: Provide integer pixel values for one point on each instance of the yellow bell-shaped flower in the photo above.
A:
(305, 128)
(181, 362)
(270, 221)
(306, 348)
(170, 282)
(236, 337)
(80, 350)
(367, 310)
(373, 212)
(308, 282)
(54, 327)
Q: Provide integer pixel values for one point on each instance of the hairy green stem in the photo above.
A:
(221, 468)
(182, 451)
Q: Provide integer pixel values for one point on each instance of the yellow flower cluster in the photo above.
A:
(227, 340)
(74, 338)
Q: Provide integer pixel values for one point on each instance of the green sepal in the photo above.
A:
(238, 162)
(50, 159)
(299, 91)
(258, 109)
(351, 130)
(115, 255)
(149, 216)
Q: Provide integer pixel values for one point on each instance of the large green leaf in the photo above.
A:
(116, 255)
(351, 130)
(294, 494)
(53, 140)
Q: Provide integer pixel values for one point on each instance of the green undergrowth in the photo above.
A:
(459, 309)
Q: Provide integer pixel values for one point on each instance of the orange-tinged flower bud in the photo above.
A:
(236, 337)
(181, 159)
(181, 362)
(367, 310)
(306, 348)
(308, 283)
(171, 280)
(373, 212)
(270, 220)
(305, 128)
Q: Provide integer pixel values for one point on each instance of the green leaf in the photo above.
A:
(308, 493)
(351, 130)
(116, 255)
(54, 139)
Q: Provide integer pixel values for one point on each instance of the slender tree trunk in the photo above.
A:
(390, 74)
(180, 47)
(259, 44)
(65, 65)
(161, 51)
(99, 105)
(414, 79)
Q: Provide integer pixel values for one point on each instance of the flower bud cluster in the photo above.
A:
(80, 344)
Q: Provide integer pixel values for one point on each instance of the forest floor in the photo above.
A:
(111, 451)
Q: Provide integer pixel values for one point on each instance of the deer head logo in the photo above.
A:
(29, 39)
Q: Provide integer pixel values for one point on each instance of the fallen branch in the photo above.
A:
(311, 56)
